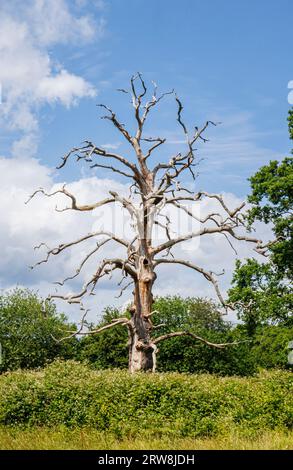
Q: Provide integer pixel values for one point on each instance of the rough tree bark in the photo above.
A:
(151, 190)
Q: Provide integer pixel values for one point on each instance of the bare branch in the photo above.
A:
(115, 322)
(191, 214)
(189, 236)
(66, 157)
(165, 227)
(204, 231)
(92, 150)
(160, 325)
(87, 257)
(151, 313)
(219, 198)
(123, 91)
(106, 267)
(199, 338)
(55, 251)
(125, 203)
(109, 167)
(123, 289)
(116, 123)
(75, 332)
(159, 141)
(179, 117)
(209, 275)
(154, 101)
(74, 205)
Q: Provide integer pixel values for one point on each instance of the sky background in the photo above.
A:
(228, 61)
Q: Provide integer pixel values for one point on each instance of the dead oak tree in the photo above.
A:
(152, 188)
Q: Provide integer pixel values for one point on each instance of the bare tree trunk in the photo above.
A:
(142, 351)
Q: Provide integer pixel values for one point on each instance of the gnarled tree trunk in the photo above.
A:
(142, 351)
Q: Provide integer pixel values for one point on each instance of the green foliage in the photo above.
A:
(28, 327)
(270, 346)
(126, 405)
(263, 292)
(184, 354)
(106, 349)
(272, 199)
(191, 313)
(272, 183)
(266, 349)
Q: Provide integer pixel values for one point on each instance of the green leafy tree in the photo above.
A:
(28, 328)
(262, 292)
(270, 346)
(272, 199)
(261, 296)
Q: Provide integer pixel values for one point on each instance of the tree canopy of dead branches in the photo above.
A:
(153, 188)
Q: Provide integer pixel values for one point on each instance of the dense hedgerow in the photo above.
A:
(73, 394)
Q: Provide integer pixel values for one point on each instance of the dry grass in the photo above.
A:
(87, 439)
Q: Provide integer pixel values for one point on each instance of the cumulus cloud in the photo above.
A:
(29, 76)
(65, 87)
(25, 146)
(25, 225)
(53, 22)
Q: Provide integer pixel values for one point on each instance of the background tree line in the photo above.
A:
(28, 329)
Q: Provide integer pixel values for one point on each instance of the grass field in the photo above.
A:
(86, 439)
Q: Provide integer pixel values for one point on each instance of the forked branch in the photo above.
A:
(80, 331)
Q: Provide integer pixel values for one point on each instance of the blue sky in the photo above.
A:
(228, 61)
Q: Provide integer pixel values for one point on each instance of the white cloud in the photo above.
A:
(25, 146)
(65, 87)
(29, 76)
(52, 21)
(113, 146)
(24, 226)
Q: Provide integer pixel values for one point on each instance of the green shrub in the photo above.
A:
(75, 395)
(28, 326)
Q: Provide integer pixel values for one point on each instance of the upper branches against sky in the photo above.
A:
(152, 189)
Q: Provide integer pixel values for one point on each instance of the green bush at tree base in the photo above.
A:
(74, 395)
